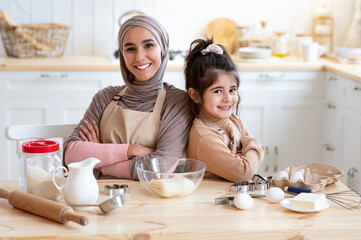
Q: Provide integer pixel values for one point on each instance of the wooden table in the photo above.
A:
(192, 217)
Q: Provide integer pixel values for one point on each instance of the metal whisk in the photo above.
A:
(349, 199)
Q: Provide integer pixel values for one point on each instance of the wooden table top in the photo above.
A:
(191, 217)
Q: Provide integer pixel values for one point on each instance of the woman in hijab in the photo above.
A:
(145, 118)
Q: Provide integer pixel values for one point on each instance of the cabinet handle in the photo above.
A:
(272, 75)
(329, 148)
(351, 174)
(332, 78)
(276, 160)
(266, 159)
(331, 106)
(54, 75)
(356, 88)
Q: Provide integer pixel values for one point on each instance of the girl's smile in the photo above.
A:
(221, 98)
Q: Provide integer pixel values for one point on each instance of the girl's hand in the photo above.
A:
(138, 150)
(89, 133)
(236, 155)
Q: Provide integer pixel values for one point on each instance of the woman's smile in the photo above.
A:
(142, 53)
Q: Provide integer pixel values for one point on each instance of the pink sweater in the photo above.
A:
(113, 157)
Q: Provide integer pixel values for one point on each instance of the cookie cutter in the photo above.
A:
(107, 205)
(258, 183)
(229, 200)
(116, 189)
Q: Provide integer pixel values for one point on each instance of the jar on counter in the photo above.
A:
(242, 37)
(38, 161)
(281, 44)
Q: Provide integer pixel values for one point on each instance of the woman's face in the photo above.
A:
(220, 99)
(142, 53)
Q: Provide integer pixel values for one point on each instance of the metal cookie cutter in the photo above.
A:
(257, 183)
(116, 189)
(229, 200)
(224, 201)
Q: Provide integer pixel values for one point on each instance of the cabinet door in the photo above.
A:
(351, 134)
(297, 131)
(351, 148)
(332, 120)
(255, 113)
(291, 119)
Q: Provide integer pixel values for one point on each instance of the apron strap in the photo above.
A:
(158, 104)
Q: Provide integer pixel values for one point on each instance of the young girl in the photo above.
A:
(218, 137)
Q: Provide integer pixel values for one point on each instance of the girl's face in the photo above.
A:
(142, 53)
(220, 99)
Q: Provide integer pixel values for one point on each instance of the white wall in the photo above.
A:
(95, 22)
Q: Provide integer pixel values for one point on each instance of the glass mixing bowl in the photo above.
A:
(170, 177)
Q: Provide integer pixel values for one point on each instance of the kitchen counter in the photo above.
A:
(191, 217)
(103, 63)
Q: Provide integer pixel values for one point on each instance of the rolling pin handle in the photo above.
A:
(70, 216)
(4, 194)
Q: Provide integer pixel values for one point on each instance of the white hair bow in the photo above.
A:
(212, 48)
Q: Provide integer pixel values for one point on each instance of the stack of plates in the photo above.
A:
(252, 52)
(347, 53)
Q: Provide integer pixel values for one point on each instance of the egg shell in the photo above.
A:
(243, 201)
(287, 170)
(281, 175)
(275, 195)
(296, 176)
(302, 171)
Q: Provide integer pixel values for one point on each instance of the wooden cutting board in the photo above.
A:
(223, 31)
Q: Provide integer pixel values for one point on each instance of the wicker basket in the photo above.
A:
(34, 40)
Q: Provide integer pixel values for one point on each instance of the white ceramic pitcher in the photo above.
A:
(80, 186)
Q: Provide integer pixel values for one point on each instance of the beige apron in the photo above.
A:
(119, 125)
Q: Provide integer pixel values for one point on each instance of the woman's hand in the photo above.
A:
(89, 133)
(138, 150)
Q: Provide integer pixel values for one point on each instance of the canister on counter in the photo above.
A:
(281, 44)
(37, 163)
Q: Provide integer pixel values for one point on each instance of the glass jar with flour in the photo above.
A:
(37, 163)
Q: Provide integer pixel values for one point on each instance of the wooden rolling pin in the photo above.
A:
(43, 207)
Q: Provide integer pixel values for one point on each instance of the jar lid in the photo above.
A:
(40, 146)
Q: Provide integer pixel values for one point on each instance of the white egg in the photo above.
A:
(296, 176)
(275, 195)
(302, 171)
(287, 169)
(280, 175)
(243, 201)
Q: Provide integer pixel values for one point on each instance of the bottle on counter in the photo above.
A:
(281, 44)
(242, 36)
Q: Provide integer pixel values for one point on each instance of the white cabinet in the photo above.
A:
(284, 110)
(34, 97)
(343, 132)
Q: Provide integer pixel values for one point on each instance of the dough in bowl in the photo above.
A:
(170, 187)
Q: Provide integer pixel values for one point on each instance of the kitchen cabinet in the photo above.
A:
(343, 132)
(284, 110)
(42, 97)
